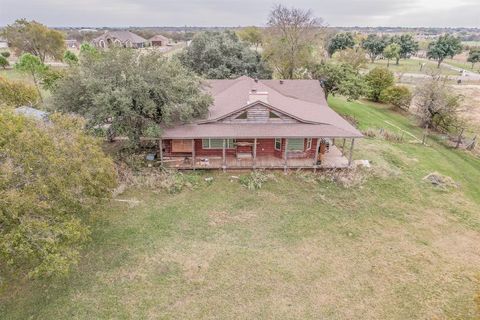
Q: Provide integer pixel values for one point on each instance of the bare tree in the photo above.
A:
(437, 106)
(290, 38)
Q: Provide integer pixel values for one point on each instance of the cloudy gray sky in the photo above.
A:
(437, 13)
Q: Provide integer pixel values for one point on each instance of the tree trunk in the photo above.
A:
(36, 86)
(439, 63)
(398, 61)
(388, 63)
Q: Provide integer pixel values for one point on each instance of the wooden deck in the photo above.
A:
(332, 159)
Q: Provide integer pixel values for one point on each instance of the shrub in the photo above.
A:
(398, 96)
(52, 177)
(378, 79)
(4, 62)
(16, 93)
(255, 180)
(5, 54)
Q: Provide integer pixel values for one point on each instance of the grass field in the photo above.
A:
(463, 64)
(391, 247)
(412, 66)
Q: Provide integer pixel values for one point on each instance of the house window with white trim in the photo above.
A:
(218, 143)
(295, 144)
(309, 143)
(278, 144)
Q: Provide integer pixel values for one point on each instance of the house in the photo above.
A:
(277, 124)
(159, 41)
(3, 43)
(72, 44)
(124, 39)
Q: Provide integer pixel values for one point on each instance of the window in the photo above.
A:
(272, 115)
(295, 144)
(182, 145)
(243, 116)
(309, 143)
(217, 143)
(278, 144)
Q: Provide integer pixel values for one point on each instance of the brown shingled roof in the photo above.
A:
(303, 100)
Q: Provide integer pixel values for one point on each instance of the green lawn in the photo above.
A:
(412, 66)
(464, 65)
(391, 247)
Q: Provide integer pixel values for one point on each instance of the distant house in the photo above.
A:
(270, 124)
(72, 44)
(124, 39)
(3, 43)
(159, 41)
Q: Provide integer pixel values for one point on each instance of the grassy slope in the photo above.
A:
(392, 248)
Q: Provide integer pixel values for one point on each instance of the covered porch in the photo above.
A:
(337, 155)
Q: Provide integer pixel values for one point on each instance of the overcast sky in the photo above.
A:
(117, 13)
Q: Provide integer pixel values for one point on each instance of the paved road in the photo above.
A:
(463, 74)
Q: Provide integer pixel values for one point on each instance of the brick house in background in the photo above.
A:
(275, 124)
(159, 41)
(124, 39)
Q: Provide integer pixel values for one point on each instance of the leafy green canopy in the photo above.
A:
(377, 80)
(392, 51)
(340, 41)
(135, 92)
(408, 45)
(446, 46)
(341, 79)
(35, 38)
(374, 45)
(221, 55)
(3, 62)
(52, 176)
(474, 56)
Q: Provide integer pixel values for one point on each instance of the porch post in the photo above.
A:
(286, 155)
(224, 165)
(160, 150)
(193, 154)
(343, 147)
(315, 160)
(254, 153)
(351, 153)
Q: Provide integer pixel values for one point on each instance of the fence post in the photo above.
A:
(425, 134)
(459, 139)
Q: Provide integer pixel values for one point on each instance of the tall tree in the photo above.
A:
(392, 51)
(340, 41)
(290, 39)
(33, 66)
(35, 38)
(51, 179)
(340, 79)
(220, 55)
(135, 92)
(374, 45)
(356, 57)
(445, 46)
(408, 46)
(251, 35)
(474, 56)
